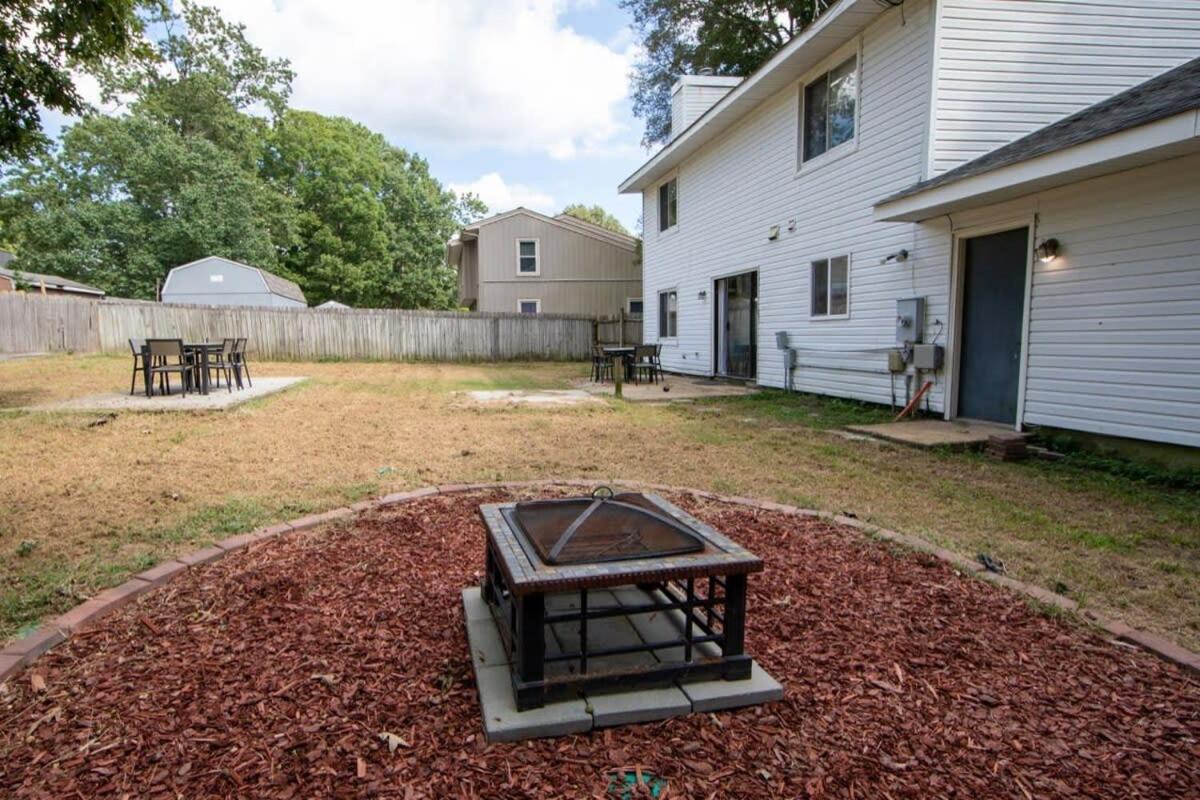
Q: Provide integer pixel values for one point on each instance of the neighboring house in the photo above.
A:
(875, 159)
(218, 281)
(523, 261)
(332, 305)
(12, 280)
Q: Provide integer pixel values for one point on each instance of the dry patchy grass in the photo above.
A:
(85, 505)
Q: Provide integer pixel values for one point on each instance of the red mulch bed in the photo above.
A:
(272, 674)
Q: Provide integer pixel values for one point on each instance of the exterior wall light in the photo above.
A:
(703, 294)
(1047, 251)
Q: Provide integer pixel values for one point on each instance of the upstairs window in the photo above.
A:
(668, 204)
(528, 262)
(668, 315)
(829, 287)
(830, 109)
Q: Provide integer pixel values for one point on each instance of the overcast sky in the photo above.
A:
(525, 102)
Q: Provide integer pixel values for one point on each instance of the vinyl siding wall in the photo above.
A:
(1008, 67)
(1114, 328)
(580, 274)
(735, 189)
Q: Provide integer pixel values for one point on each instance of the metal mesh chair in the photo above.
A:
(601, 364)
(223, 362)
(240, 364)
(646, 362)
(136, 345)
(161, 353)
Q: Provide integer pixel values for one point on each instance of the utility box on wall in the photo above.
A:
(928, 356)
(910, 321)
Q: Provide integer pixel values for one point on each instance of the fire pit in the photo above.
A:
(545, 556)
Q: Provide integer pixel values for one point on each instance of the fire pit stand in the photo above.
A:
(573, 550)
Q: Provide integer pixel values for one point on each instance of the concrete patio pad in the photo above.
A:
(546, 398)
(672, 388)
(929, 433)
(593, 709)
(218, 399)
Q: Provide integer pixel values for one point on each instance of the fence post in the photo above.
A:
(495, 338)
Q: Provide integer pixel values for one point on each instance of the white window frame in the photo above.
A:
(829, 287)
(663, 322)
(537, 257)
(658, 204)
(629, 301)
(537, 304)
(854, 50)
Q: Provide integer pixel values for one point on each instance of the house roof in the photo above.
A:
(275, 284)
(804, 52)
(332, 304)
(51, 281)
(562, 221)
(1174, 92)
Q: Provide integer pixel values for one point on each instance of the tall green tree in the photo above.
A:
(372, 221)
(124, 199)
(596, 215)
(206, 76)
(682, 37)
(41, 42)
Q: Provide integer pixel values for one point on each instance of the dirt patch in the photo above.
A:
(275, 672)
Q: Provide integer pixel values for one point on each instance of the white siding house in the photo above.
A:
(221, 282)
(919, 90)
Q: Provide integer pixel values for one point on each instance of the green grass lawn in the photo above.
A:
(87, 504)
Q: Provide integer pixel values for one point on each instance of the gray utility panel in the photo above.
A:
(910, 320)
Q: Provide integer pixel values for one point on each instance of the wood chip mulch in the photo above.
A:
(334, 664)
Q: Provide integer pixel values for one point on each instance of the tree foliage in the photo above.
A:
(597, 216)
(207, 159)
(372, 220)
(682, 37)
(41, 42)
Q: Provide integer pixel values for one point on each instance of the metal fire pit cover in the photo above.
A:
(600, 528)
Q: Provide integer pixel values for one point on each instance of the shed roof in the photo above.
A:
(51, 281)
(275, 284)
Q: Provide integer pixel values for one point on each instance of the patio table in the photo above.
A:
(626, 354)
(199, 352)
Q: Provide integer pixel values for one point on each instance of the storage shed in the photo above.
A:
(222, 282)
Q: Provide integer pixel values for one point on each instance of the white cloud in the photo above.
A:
(474, 73)
(500, 196)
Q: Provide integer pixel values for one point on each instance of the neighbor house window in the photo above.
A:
(634, 305)
(528, 258)
(830, 104)
(668, 315)
(529, 306)
(829, 287)
(668, 204)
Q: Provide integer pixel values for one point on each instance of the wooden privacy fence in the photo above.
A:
(38, 323)
(293, 334)
(623, 329)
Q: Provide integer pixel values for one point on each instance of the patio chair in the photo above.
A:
(240, 364)
(162, 351)
(601, 364)
(136, 346)
(223, 362)
(645, 362)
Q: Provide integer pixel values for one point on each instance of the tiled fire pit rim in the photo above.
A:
(25, 651)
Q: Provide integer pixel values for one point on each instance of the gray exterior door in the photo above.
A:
(993, 310)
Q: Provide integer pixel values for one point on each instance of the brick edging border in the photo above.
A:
(23, 652)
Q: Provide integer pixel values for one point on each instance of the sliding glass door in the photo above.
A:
(736, 324)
